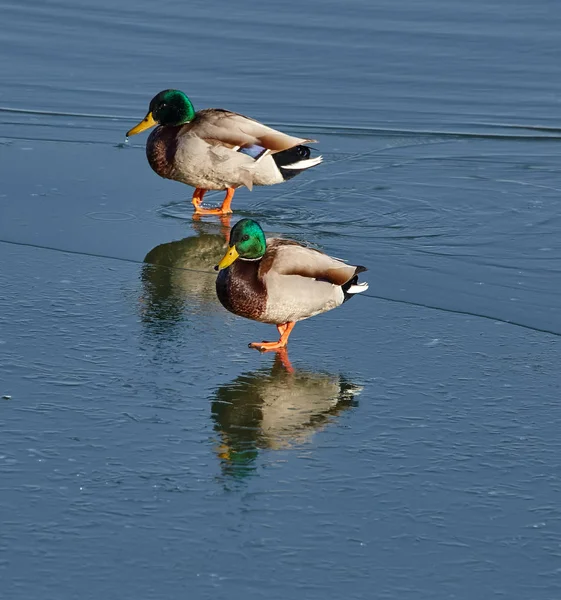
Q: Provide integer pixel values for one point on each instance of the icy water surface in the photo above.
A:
(407, 446)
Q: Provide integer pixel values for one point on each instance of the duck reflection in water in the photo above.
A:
(182, 272)
(274, 409)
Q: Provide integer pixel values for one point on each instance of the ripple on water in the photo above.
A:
(111, 216)
(183, 209)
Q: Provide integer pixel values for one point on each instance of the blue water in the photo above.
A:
(145, 451)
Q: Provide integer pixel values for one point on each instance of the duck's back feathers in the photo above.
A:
(232, 129)
(301, 282)
(287, 257)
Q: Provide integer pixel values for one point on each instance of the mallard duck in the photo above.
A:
(280, 281)
(216, 149)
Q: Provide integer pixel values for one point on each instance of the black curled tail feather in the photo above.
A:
(352, 281)
(290, 157)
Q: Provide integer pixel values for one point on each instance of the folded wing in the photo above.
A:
(286, 257)
(233, 129)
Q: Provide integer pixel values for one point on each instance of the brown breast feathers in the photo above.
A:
(160, 150)
(240, 290)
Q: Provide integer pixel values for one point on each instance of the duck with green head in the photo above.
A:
(216, 149)
(280, 281)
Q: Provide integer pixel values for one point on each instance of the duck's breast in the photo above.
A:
(161, 149)
(240, 291)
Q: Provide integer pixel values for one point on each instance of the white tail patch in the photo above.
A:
(358, 288)
(304, 164)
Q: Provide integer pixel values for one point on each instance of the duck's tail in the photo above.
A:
(353, 287)
(293, 161)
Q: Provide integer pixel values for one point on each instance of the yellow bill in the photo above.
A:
(223, 452)
(145, 124)
(229, 258)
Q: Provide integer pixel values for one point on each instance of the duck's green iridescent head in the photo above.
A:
(247, 241)
(168, 108)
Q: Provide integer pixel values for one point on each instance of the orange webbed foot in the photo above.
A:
(267, 346)
(284, 329)
(225, 209)
(208, 211)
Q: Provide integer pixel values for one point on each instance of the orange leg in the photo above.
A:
(284, 331)
(225, 209)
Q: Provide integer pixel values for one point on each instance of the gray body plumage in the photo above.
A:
(215, 167)
(295, 289)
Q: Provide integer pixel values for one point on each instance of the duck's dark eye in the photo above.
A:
(245, 238)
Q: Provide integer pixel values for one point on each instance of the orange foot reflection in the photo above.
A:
(282, 359)
(225, 224)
